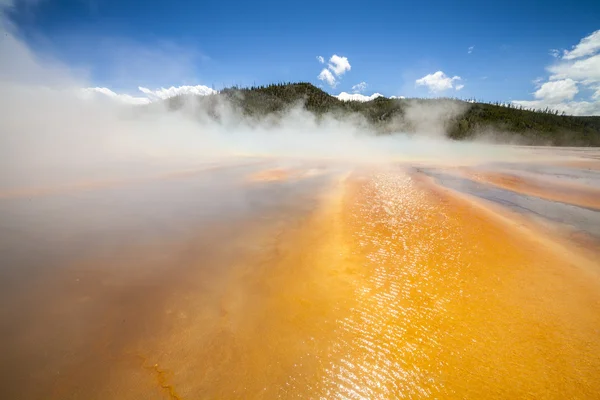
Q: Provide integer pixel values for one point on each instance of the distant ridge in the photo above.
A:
(389, 115)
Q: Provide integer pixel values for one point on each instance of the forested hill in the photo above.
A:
(460, 119)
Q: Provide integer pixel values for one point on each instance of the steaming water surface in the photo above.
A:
(297, 279)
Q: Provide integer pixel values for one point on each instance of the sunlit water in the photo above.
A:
(296, 281)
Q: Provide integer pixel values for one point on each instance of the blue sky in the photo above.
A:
(389, 44)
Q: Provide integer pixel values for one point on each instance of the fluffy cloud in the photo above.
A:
(357, 96)
(336, 67)
(587, 46)
(359, 87)
(586, 70)
(557, 90)
(439, 82)
(577, 69)
(470, 49)
(328, 77)
(151, 95)
(339, 65)
(162, 93)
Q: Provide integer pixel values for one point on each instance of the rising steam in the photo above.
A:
(52, 131)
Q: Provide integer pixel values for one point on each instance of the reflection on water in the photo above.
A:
(293, 281)
(405, 282)
(588, 177)
(581, 218)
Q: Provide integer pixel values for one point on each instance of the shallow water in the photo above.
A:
(580, 218)
(297, 279)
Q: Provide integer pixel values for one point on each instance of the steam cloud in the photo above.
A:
(50, 133)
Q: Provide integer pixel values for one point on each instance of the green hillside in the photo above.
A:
(463, 120)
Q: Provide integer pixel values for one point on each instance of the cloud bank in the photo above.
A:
(162, 93)
(357, 96)
(150, 95)
(573, 84)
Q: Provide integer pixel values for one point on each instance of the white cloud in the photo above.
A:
(578, 69)
(125, 98)
(570, 107)
(586, 70)
(339, 65)
(438, 82)
(470, 49)
(357, 96)
(458, 87)
(162, 93)
(359, 87)
(328, 77)
(151, 95)
(557, 91)
(587, 46)
(336, 67)
(397, 97)
(554, 53)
